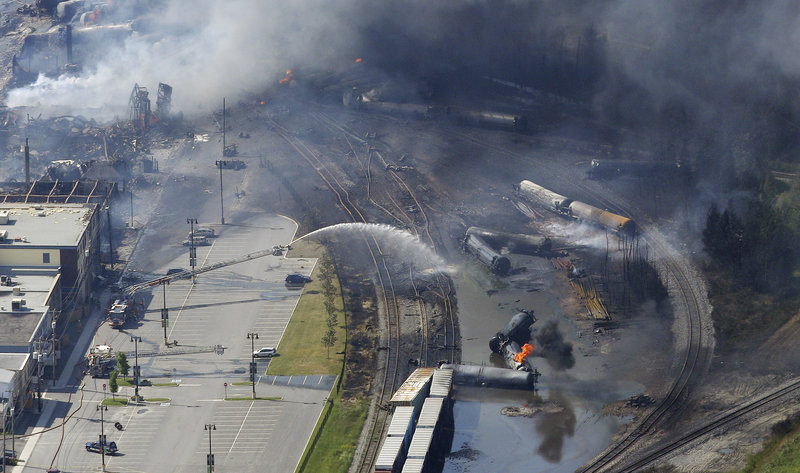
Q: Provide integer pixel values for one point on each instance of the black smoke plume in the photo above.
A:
(551, 344)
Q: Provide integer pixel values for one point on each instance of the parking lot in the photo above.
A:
(167, 434)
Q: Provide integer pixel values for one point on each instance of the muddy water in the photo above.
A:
(574, 428)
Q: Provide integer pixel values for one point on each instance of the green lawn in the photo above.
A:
(334, 450)
(118, 401)
(301, 349)
(780, 455)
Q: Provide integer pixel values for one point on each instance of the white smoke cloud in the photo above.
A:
(204, 49)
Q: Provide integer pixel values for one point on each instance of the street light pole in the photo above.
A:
(102, 408)
(4, 434)
(53, 348)
(136, 372)
(210, 457)
(220, 164)
(165, 312)
(192, 249)
(253, 337)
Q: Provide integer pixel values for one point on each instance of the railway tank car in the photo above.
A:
(498, 263)
(591, 214)
(489, 119)
(537, 194)
(513, 242)
(567, 207)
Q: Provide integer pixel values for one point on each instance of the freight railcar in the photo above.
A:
(537, 194)
(489, 119)
(513, 242)
(567, 207)
(498, 263)
(593, 215)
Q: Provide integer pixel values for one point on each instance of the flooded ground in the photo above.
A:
(565, 425)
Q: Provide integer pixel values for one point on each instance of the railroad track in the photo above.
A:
(443, 287)
(692, 364)
(385, 289)
(663, 450)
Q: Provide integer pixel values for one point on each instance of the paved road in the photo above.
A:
(220, 308)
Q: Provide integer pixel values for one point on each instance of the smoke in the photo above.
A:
(708, 83)
(204, 49)
(577, 233)
(555, 350)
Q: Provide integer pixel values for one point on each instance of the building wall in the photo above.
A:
(21, 256)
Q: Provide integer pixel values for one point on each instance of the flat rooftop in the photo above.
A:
(18, 326)
(45, 225)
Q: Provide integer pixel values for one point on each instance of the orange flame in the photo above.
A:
(262, 102)
(358, 59)
(526, 350)
(93, 17)
(287, 78)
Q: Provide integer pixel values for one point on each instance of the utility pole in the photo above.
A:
(4, 435)
(39, 345)
(165, 313)
(102, 408)
(110, 244)
(210, 457)
(53, 347)
(13, 430)
(192, 249)
(131, 191)
(136, 371)
(221, 163)
(253, 337)
(223, 128)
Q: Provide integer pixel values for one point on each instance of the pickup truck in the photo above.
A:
(111, 447)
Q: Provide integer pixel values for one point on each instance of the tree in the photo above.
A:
(113, 386)
(329, 340)
(122, 364)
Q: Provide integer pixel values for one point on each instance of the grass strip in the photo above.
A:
(301, 348)
(157, 399)
(115, 401)
(335, 445)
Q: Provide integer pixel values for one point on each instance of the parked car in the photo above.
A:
(297, 278)
(266, 352)
(198, 240)
(207, 232)
(97, 447)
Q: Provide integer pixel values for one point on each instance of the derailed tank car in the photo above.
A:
(513, 242)
(592, 214)
(565, 206)
(537, 194)
(498, 263)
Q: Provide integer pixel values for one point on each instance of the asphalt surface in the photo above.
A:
(220, 308)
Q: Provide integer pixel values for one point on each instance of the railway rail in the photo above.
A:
(386, 290)
(693, 363)
(780, 394)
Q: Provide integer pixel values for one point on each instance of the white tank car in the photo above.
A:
(539, 195)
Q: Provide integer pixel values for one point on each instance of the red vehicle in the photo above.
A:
(120, 312)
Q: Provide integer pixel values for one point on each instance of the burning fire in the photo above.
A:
(261, 102)
(527, 349)
(358, 59)
(93, 17)
(287, 78)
